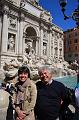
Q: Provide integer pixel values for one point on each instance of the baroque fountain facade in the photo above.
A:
(28, 36)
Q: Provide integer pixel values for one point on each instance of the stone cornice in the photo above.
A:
(35, 5)
(20, 10)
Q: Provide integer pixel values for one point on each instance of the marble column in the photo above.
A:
(0, 30)
(17, 37)
(41, 41)
(62, 47)
(37, 46)
(5, 31)
(58, 39)
(24, 45)
(52, 45)
(0, 36)
(49, 44)
(20, 42)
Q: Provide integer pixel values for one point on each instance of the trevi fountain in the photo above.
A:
(28, 37)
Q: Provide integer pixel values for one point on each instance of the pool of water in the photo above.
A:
(69, 81)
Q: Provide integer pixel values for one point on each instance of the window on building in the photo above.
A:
(56, 51)
(75, 40)
(45, 35)
(60, 52)
(67, 43)
(75, 34)
(44, 48)
(68, 35)
(76, 47)
(60, 43)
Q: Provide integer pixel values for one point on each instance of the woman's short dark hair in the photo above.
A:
(24, 69)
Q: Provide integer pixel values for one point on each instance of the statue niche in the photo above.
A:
(28, 45)
(29, 52)
(11, 43)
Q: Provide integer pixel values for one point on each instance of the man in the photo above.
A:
(50, 93)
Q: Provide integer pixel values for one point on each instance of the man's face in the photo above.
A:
(45, 76)
(23, 76)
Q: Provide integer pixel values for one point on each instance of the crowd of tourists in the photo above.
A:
(46, 99)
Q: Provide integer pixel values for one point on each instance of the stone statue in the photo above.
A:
(11, 64)
(4, 102)
(11, 44)
(28, 45)
(44, 49)
(25, 58)
(22, 3)
(42, 14)
(11, 68)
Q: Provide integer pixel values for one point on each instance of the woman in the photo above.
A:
(25, 97)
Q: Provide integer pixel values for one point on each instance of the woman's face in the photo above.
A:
(23, 76)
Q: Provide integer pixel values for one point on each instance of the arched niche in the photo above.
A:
(30, 38)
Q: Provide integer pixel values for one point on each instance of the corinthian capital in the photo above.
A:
(22, 17)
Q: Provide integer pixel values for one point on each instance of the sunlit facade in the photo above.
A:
(71, 45)
(25, 26)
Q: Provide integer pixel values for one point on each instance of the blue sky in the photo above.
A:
(54, 8)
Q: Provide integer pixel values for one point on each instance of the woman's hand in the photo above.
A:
(19, 118)
(21, 115)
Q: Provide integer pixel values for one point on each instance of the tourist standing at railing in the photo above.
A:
(25, 97)
(50, 93)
